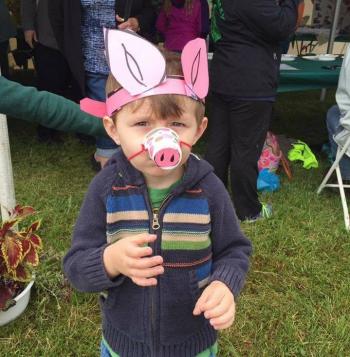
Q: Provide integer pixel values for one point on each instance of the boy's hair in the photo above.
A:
(163, 105)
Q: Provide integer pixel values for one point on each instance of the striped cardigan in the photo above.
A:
(198, 237)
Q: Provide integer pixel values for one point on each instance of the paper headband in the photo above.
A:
(139, 67)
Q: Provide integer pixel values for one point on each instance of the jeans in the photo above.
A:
(333, 127)
(96, 89)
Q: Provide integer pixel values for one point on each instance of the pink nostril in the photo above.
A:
(167, 157)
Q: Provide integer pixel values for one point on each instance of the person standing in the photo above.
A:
(180, 21)
(244, 77)
(7, 30)
(78, 27)
(338, 118)
(53, 74)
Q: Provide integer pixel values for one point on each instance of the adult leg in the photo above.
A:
(218, 146)
(4, 63)
(333, 127)
(249, 122)
(96, 89)
(52, 76)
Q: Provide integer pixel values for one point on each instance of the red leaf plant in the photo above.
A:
(19, 254)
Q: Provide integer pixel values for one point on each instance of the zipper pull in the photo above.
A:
(155, 221)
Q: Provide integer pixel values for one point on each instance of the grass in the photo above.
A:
(296, 299)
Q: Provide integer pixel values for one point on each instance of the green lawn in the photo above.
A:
(296, 299)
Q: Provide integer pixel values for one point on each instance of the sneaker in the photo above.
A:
(265, 213)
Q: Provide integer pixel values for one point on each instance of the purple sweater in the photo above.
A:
(179, 26)
(198, 237)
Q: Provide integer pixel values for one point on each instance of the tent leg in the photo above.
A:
(7, 191)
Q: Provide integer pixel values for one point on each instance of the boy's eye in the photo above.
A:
(177, 124)
(141, 123)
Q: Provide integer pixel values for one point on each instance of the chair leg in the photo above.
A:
(329, 174)
(343, 199)
(340, 154)
(335, 166)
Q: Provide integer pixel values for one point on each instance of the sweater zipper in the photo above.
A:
(155, 227)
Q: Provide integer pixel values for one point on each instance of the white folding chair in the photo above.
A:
(335, 167)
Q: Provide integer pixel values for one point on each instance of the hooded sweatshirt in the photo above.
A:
(198, 237)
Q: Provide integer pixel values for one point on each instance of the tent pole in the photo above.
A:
(7, 190)
(331, 38)
(334, 26)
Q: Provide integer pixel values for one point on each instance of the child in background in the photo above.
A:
(181, 21)
(157, 230)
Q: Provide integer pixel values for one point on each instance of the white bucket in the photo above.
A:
(22, 301)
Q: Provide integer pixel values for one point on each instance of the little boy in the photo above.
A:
(157, 230)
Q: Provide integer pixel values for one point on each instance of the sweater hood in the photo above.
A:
(196, 169)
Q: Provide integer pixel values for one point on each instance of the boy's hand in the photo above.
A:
(127, 256)
(218, 305)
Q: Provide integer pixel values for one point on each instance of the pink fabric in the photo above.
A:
(179, 26)
(271, 154)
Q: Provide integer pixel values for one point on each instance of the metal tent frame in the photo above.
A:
(335, 21)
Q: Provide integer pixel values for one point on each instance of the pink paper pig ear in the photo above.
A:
(194, 60)
(134, 62)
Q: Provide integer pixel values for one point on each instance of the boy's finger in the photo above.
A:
(224, 320)
(145, 282)
(221, 305)
(216, 311)
(138, 252)
(224, 326)
(145, 263)
(147, 273)
(202, 299)
(214, 299)
(143, 238)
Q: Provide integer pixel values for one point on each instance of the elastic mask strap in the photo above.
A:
(137, 153)
(143, 149)
(188, 145)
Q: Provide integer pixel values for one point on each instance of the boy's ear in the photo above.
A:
(111, 129)
(201, 129)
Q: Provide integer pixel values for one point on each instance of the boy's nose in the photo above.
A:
(167, 158)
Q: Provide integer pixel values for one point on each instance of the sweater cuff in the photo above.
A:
(95, 271)
(233, 278)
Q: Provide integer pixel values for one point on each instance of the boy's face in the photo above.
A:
(130, 130)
